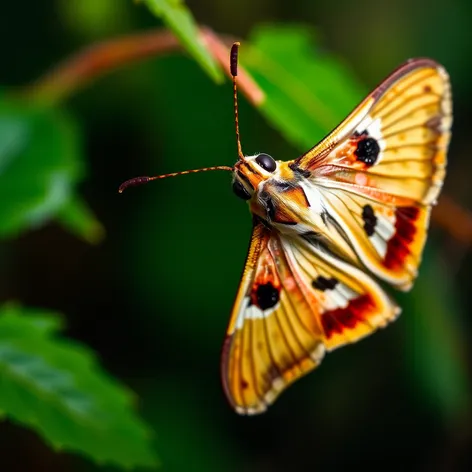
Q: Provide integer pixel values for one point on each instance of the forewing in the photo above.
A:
(295, 301)
(387, 238)
(384, 166)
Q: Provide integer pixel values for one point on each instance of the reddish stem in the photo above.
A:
(456, 220)
(102, 58)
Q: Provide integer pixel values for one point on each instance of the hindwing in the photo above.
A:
(295, 302)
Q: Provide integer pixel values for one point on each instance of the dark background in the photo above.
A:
(153, 299)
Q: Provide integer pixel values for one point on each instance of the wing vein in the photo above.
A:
(402, 104)
(395, 95)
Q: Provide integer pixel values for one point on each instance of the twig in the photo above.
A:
(103, 58)
(453, 218)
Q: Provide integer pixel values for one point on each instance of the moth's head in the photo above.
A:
(250, 172)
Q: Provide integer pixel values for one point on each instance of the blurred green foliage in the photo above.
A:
(178, 18)
(154, 297)
(40, 164)
(307, 91)
(435, 342)
(55, 386)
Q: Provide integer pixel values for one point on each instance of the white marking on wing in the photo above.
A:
(339, 297)
(346, 291)
(379, 244)
(314, 197)
(385, 228)
(241, 314)
(251, 312)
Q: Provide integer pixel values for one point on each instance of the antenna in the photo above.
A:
(234, 74)
(145, 179)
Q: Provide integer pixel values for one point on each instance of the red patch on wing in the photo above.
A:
(405, 230)
(336, 321)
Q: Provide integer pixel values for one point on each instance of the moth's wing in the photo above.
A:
(384, 166)
(294, 302)
(387, 238)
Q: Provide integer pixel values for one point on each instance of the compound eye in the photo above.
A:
(266, 162)
(240, 190)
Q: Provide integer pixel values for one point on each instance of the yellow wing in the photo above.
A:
(373, 180)
(295, 301)
(383, 167)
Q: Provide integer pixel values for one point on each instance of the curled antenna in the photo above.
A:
(234, 73)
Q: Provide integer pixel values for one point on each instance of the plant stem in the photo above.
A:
(97, 60)
(456, 220)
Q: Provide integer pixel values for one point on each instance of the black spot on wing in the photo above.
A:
(267, 296)
(322, 283)
(367, 151)
(370, 220)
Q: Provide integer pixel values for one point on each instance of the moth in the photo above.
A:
(327, 225)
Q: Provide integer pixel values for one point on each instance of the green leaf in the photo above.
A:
(56, 387)
(77, 217)
(179, 19)
(40, 164)
(308, 92)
